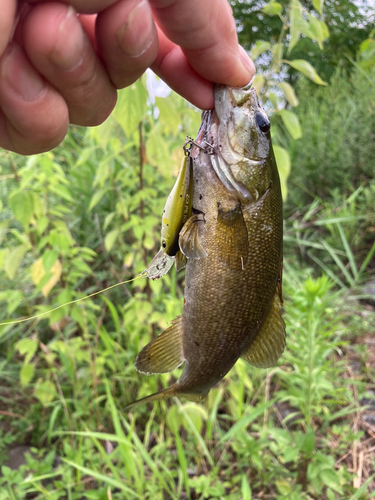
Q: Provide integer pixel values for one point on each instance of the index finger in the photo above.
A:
(7, 19)
(206, 32)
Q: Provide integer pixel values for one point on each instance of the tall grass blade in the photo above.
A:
(339, 263)
(367, 260)
(348, 251)
(128, 457)
(195, 432)
(102, 478)
(246, 420)
(327, 270)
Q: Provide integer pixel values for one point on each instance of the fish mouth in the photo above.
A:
(236, 97)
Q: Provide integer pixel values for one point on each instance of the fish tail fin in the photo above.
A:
(157, 396)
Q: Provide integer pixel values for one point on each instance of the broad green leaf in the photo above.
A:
(26, 374)
(110, 238)
(158, 151)
(291, 123)
(258, 83)
(38, 274)
(308, 445)
(22, 206)
(98, 195)
(15, 298)
(317, 30)
(81, 265)
(42, 224)
(272, 9)
(61, 191)
(149, 242)
(49, 258)
(330, 478)
(44, 391)
(283, 166)
(306, 69)
(169, 115)
(318, 5)
(131, 107)
(245, 489)
(108, 220)
(259, 48)
(13, 260)
(297, 23)
(27, 348)
(277, 51)
(289, 93)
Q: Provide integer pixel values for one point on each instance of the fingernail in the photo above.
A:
(137, 34)
(68, 50)
(247, 63)
(20, 75)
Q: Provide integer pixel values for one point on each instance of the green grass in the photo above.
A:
(300, 430)
(287, 432)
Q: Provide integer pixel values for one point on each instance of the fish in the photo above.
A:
(232, 242)
(176, 212)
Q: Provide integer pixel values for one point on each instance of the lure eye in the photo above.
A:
(263, 122)
(164, 244)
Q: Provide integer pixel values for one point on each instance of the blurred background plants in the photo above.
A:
(87, 215)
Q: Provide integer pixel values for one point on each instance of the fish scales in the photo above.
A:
(232, 293)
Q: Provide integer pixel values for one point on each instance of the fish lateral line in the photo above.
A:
(75, 301)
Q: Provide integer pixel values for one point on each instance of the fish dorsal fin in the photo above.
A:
(189, 242)
(180, 261)
(270, 341)
(163, 354)
(231, 238)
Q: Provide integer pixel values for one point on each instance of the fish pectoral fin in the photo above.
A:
(270, 341)
(189, 241)
(180, 261)
(163, 354)
(232, 239)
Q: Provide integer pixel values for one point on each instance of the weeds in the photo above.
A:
(303, 430)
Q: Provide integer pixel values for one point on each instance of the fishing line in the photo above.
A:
(143, 274)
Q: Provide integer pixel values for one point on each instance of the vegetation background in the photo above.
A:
(87, 215)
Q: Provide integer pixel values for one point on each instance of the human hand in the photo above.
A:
(60, 68)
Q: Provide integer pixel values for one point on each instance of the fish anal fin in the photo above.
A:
(231, 238)
(269, 344)
(163, 354)
(189, 242)
(180, 261)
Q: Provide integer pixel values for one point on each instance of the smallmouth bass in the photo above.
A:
(233, 246)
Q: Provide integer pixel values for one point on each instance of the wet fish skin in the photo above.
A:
(233, 296)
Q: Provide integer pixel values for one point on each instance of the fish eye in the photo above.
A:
(164, 244)
(262, 121)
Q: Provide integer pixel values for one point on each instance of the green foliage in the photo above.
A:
(275, 93)
(87, 216)
(338, 122)
(349, 24)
